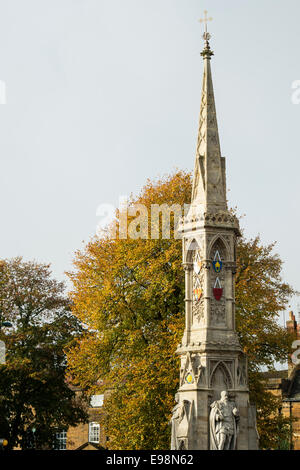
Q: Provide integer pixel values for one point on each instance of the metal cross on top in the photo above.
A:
(205, 20)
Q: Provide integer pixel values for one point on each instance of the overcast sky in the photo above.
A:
(102, 94)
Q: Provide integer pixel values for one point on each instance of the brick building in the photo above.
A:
(87, 436)
(286, 385)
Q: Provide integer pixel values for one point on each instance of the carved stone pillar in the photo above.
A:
(188, 299)
(207, 292)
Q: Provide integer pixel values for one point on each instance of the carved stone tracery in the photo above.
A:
(198, 287)
(218, 307)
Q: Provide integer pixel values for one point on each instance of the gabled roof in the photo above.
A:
(90, 446)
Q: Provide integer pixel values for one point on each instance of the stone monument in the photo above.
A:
(213, 409)
(223, 418)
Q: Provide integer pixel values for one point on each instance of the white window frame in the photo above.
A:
(61, 440)
(94, 432)
(96, 401)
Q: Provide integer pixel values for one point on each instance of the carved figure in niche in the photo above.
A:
(223, 421)
(201, 374)
(180, 424)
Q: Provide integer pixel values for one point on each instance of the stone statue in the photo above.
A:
(224, 417)
(180, 424)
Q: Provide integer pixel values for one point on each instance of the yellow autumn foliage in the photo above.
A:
(130, 294)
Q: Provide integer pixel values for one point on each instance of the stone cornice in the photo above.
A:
(218, 219)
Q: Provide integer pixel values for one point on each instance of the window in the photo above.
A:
(2, 352)
(94, 433)
(60, 441)
(96, 401)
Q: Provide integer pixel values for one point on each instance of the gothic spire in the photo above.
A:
(209, 185)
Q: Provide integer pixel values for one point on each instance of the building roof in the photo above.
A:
(275, 374)
(90, 446)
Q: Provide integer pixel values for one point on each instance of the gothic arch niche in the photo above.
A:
(195, 257)
(218, 244)
(218, 256)
(191, 247)
(220, 379)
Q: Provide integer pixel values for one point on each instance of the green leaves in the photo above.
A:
(34, 375)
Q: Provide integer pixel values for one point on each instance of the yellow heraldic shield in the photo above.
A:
(217, 263)
(197, 291)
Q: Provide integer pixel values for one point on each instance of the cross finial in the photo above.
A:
(206, 35)
(205, 20)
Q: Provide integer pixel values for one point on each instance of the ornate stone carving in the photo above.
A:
(241, 372)
(198, 287)
(218, 308)
(188, 372)
(224, 417)
(201, 380)
(221, 376)
(192, 371)
(180, 421)
(214, 219)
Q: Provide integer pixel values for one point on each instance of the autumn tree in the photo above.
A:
(260, 297)
(130, 292)
(35, 400)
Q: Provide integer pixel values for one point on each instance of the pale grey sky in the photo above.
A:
(102, 94)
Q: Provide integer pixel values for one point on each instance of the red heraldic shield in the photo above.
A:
(217, 289)
(218, 292)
